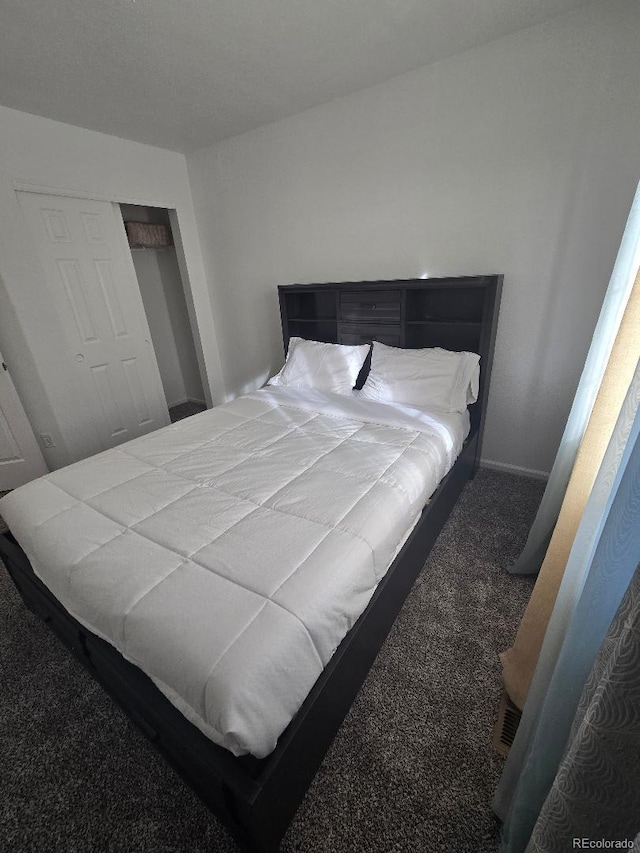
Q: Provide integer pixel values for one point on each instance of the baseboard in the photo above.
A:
(519, 470)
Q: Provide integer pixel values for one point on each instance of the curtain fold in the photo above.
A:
(596, 792)
(604, 335)
(605, 553)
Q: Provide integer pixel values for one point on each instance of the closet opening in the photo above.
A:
(157, 269)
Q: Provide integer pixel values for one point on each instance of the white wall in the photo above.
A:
(180, 326)
(519, 157)
(161, 289)
(147, 267)
(58, 157)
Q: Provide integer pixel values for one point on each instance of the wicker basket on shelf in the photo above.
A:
(148, 235)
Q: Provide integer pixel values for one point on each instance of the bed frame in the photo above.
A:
(257, 799)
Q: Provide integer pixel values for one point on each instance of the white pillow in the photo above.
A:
(325, 367)
(423, 377)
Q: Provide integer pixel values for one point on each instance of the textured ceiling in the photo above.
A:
(183, 74)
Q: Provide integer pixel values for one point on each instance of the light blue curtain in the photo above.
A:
(602, 561)
(615, 300)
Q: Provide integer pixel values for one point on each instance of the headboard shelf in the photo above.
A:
(441, 322)
(456, 313)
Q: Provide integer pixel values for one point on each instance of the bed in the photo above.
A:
(230, 579)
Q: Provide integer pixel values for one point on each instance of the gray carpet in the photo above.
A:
(185, 410)
(412, 768)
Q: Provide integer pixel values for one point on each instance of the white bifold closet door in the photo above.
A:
(90, 275)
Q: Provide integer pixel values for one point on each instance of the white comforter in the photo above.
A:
(227, 555)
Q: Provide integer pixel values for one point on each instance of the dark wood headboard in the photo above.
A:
(454, 313)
